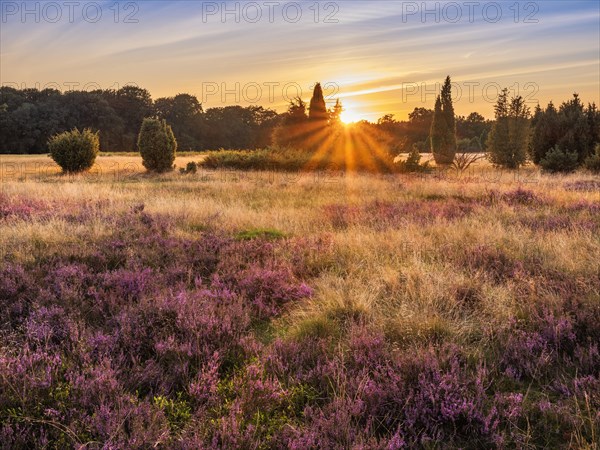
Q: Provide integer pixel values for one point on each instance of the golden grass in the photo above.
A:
(404, 278)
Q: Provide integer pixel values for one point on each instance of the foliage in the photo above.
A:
(317, 110)
(412, 163)
(292, 131)
(593, 162)
(508, 140)
(74, 151)
(443, 127)
(557, 160)
(292, 160)
(29, 117)
(184, 113)
(572, 126)
(335, 114)
(190, 168)
(157, 145)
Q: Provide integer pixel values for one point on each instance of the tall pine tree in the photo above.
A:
(318, 110)
(443, 127)
(508, 140)
(448, 109)
(439, 134)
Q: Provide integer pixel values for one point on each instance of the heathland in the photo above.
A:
(263, 309)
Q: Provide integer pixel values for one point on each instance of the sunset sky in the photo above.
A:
(378, 57)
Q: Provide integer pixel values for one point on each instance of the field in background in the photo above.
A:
(384, 310)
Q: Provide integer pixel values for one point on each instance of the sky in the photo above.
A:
(377, 57)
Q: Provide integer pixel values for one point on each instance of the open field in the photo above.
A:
(273, 310)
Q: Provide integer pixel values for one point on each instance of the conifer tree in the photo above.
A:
(317, 109)
(439, 131)
(448, 109)
(545, 133)
(508, 140)
(157, 145)
(443, 127)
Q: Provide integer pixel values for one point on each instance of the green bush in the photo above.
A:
(593, 162)
(74, 151)
(293, 160)
(157, 145)
(412, 163)
(190, 168)
(557, 160)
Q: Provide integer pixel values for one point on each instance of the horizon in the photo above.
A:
(191, 47)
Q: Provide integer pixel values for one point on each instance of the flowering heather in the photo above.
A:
(381, 215)
(21, 208)
(142, 327)
(522, 196)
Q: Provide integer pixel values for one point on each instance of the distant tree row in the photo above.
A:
(29, 117)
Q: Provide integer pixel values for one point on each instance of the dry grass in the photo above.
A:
(408, 276)
(426, 260)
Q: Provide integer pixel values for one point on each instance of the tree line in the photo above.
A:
(558, 140)
(29, 117)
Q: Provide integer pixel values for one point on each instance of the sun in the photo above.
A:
(349, 117)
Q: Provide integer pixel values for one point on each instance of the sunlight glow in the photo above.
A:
(348, 116)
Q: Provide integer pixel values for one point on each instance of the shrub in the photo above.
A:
(412, 163)
(294, 160)
(462, 161)
(593, 162)
(190, 168)
(557, 160)
(157, 145)
(74, 151)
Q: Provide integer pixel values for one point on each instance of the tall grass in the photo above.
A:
(304, 311)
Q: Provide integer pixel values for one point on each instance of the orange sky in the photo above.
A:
(378, 57)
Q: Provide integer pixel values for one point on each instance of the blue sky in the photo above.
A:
(378, 56)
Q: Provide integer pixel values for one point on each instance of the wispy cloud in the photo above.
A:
(370, 52)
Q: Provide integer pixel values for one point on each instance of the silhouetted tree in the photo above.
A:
(184, 112)
(293, 129)
(132, 104)
(335, 114)
(318, 109)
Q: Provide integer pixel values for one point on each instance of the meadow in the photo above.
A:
(261, 309)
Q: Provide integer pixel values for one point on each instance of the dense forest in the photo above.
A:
(29, 117)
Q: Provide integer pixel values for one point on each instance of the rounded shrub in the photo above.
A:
(557, 160)
(157, 145)
(74, 151)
